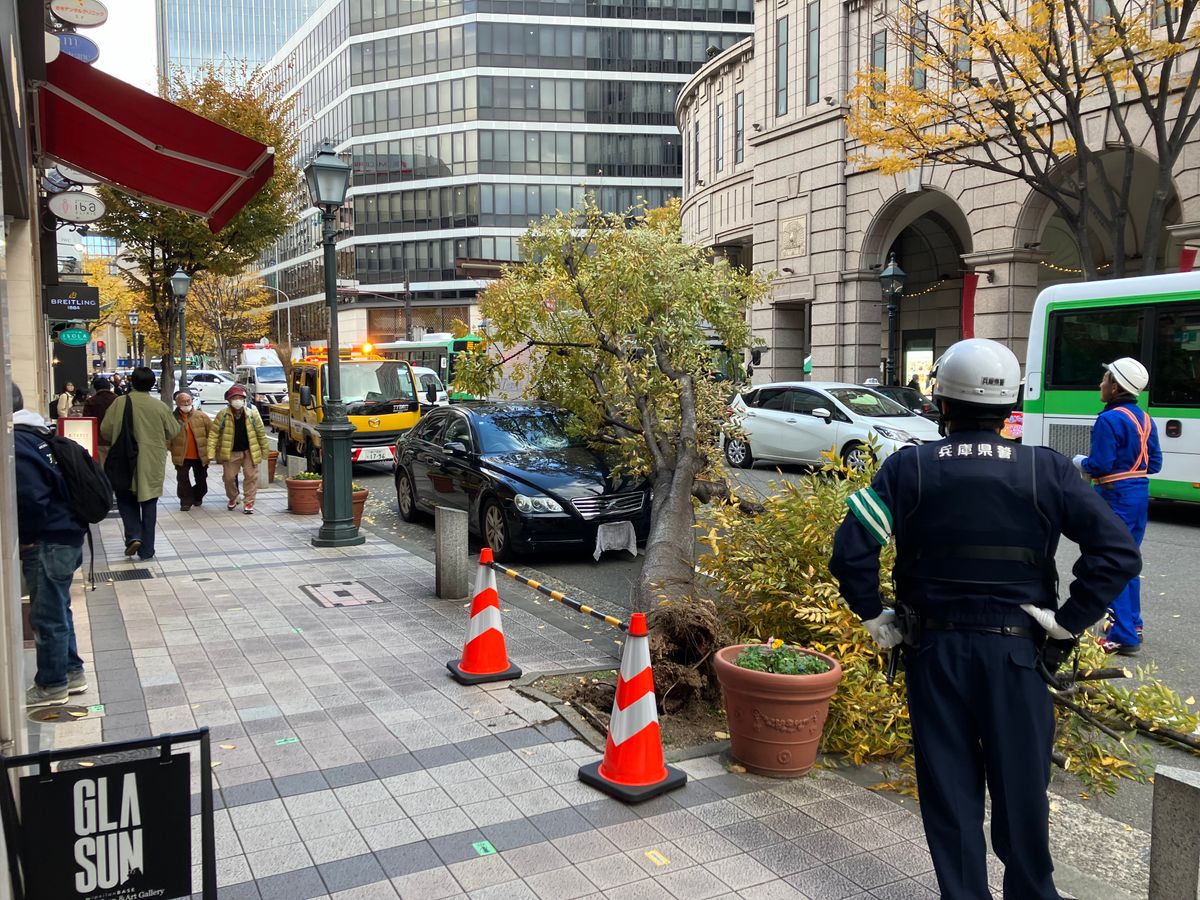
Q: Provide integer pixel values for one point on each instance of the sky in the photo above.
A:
(126, 42)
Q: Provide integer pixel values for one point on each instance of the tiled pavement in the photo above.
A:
(349, 765)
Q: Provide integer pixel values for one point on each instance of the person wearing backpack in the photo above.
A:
(138, 471)
(51, 538)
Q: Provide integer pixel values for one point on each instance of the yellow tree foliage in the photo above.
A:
(1009, 88)
(225, 311)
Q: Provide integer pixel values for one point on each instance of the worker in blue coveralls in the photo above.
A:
(1124, 454)
(976, 521)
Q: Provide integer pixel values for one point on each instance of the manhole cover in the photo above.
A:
(124, 575)
(341, 593)
(58, 714)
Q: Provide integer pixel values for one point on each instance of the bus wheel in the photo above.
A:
(312, 455)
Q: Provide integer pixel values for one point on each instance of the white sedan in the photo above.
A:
(797, 422)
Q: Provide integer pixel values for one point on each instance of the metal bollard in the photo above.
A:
(1175, 834)
(450, 551)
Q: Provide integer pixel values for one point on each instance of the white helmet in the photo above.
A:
(977, 371)
(1129, 374)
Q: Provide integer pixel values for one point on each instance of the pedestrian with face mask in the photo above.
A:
(238, 441)
(189, 452)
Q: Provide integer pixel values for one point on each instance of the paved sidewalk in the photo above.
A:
(350, 765)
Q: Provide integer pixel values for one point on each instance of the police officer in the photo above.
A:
(976, 522)
(1124, 453)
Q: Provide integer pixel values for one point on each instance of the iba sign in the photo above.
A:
(71, 302)
(113, 832)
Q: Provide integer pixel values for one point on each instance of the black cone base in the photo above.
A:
(631, 793)
(474, 678)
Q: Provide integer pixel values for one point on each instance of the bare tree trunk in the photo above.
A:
(669, 569)
(1153, 226)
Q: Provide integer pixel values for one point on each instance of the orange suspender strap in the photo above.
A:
(1140, 465)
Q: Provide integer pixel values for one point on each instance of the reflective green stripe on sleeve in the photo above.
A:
(872, 513)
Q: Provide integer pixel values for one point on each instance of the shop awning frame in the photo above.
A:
(145, 146)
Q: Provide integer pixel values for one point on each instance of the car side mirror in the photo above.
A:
(431, 395)
(306, 397)
(822, 413)
(456, 448)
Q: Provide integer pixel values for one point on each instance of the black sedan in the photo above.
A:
(525, 482)
(909, 399)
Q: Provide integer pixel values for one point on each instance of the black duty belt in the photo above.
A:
(1006, 630)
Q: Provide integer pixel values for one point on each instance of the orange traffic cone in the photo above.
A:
(484, 655)
(632, 769)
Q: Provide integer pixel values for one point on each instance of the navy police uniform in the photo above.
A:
(976, 522)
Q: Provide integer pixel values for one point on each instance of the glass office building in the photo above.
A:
(465, 120)
(192, 33)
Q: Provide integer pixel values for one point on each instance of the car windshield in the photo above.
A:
(268, 373)
(429, 380)
(516, 430)
(373, 382)
(865, 402)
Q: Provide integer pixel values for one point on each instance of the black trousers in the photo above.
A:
(981, 714)
(189, 494)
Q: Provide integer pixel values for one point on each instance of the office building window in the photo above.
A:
(781, 66)
(719, 137)
(812, 62)
(919, 43)
(696, 152)
(879, 60)
(739, 127)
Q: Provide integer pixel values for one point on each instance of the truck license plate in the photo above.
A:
(375, 454)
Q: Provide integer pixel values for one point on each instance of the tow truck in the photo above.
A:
(380, 396)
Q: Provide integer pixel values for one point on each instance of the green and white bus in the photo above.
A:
(435, 351)
(1077, 327)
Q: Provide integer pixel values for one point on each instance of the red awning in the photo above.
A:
(146, 146)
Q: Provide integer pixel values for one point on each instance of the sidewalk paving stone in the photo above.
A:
(351, 766)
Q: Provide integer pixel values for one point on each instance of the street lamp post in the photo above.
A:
(328, 179)
(180, 282)
(287, 302)
(891, 280)
(133, 324)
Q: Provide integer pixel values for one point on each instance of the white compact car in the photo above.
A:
(208, 386)
(796, 422)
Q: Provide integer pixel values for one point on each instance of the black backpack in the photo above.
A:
(88, 489)
(121, 464)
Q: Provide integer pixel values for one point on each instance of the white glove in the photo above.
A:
(1045, 618)
(1078, 460)
(883, 629)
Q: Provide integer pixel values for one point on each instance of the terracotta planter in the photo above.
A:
(302, 496)
(775, 721)
(358, 499)
(272, 458)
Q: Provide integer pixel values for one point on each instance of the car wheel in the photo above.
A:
(312, 456)
(494, 528)
(406, 499)
(737, 453)
(283, 448)
(856, 456)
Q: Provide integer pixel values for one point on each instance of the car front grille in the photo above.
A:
(365, 438)
(612, 505)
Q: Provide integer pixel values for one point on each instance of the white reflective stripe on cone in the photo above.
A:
(483, 621)
(636, 658)
(629, 721)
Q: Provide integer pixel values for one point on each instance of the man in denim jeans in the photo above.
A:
(51, 550)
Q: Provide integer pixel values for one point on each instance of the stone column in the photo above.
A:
(856, 336)
(1008, 287)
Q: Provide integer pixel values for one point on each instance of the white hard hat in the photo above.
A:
(977, 371)
(871, 382)
(1130, 374)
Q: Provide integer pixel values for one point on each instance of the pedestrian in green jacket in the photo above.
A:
(153, 429)
(238, 441)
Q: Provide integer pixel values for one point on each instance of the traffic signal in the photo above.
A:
(100, 348)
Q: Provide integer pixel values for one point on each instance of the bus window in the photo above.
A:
(1175, 373)
(1084, 341)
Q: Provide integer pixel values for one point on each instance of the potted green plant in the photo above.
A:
(302, 493)
(358, 500)
(776, 701)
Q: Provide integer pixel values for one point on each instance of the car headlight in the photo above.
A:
(527, 504)
(895, 434)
